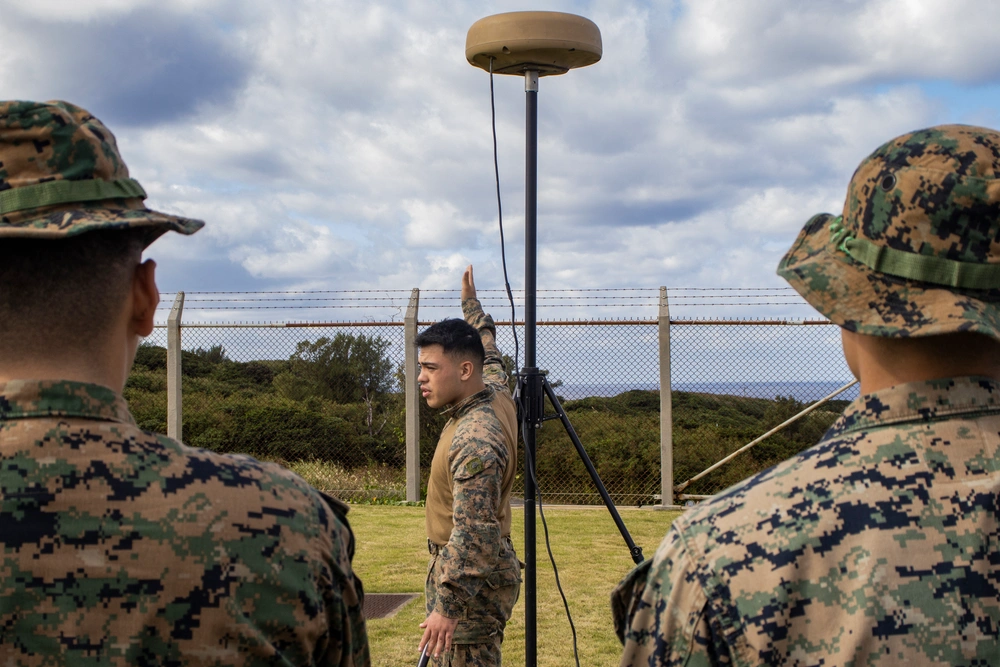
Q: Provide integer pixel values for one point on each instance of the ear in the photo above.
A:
(466, 369)
(145, 298)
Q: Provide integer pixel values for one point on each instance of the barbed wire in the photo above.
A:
(558, 298)
(390, 304)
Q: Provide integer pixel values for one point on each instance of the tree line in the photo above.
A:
(336, 399)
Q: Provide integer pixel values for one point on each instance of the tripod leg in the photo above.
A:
(634, 550)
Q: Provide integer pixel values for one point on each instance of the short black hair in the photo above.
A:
(456, 337)
(65, 291)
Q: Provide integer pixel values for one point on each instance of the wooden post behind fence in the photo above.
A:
(666, 406)
(174, 412)
(412, 400)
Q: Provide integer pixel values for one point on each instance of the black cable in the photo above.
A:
(503, 251)
(513, 318)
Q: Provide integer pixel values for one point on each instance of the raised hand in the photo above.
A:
(468, 284)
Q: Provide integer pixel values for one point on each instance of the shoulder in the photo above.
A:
(479, 442)
(480, 422)
(257, 490)
(663, 613)
(271, 552)
(721, 527)
(793, 542)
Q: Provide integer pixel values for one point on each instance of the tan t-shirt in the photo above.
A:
(486, 425)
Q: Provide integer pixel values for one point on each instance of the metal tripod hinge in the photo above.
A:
(532, 403)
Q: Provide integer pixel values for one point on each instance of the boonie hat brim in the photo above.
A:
(860, 299)
(72, 221)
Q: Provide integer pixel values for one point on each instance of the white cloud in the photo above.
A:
(69, 10)
(346, 144)
(437, 225)
(295, 251)
(835, 43)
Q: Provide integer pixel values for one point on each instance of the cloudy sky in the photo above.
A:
(345, 144)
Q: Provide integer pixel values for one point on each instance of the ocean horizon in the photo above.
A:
(801, 391)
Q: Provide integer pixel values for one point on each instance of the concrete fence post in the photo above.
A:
(412, 397)
(174, 412)
(666, 406)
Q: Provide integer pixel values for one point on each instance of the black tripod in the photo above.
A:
(533, 387)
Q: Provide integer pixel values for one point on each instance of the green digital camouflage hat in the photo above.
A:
(917, 249)
(61, 175)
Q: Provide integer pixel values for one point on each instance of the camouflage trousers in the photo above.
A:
(479, 633)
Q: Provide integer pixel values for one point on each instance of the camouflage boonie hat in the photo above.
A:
(61, 175)
(916, 251)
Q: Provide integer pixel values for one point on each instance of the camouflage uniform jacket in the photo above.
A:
(123, 547)
(879, 545)
(472, 473)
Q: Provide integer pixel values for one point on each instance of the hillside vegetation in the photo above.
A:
(622, 437)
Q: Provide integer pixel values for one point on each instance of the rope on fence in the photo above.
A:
(680, 487)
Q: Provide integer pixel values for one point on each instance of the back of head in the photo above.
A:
(916, 251)
(64, 293)
(457, 338)
(72, 226)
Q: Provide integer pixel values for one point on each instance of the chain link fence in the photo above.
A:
(324, 401)
(733, 382)
(606, 375)
(327, 401)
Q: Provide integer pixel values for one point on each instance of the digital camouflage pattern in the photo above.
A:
(57, 152)
(123, 547)
(479, 634)
(878, 546)
(929, 200)
(474, 574)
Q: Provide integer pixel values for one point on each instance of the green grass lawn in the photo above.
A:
(590, 554)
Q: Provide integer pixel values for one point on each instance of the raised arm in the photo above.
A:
(493, 370)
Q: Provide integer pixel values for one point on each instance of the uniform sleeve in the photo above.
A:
(661, 612)
(344, 597)
(478, 460)
(493, 370)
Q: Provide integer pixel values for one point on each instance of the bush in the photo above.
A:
(194, 365)
(150, 357)
(148, 409)
(268, 427)
(148, 381)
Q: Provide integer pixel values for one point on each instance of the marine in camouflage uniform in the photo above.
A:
(879, 545)
(121, 546)
(474, 574)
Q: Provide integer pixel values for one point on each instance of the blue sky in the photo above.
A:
(346, 144)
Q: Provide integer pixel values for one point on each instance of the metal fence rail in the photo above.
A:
(329, 400)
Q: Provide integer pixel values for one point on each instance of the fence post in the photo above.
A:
(666, 406)
(412, 400)
(174, 413)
